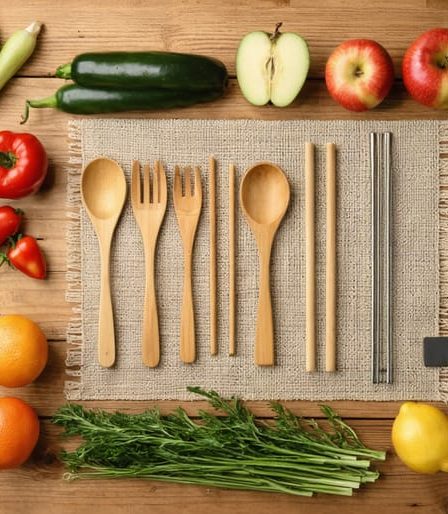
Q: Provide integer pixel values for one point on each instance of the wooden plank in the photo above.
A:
(398, 491)
(41, 300)
(313, 102)
(213, 28)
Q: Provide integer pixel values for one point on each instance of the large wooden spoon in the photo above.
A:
(103, 191)
(264, 198)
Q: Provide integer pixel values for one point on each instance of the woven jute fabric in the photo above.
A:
(416, 167)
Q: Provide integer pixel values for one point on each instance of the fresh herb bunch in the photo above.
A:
(232, 450)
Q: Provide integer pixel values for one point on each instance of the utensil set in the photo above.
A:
(264, 197)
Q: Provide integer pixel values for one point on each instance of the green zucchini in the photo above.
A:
(76, 99)
(143, 70)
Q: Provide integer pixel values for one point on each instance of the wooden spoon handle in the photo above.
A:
(106, 331)
(264, 339)
(150, 335)
(187, 336)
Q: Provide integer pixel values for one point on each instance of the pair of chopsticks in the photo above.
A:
(213, 293)
(380, 166)
(330, 280)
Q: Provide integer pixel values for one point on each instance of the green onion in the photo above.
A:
(17, 50)
(230, 449)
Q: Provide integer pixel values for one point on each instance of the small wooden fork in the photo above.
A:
(188, 209)
(149, 206)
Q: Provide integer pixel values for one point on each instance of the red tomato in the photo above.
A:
(27, 257)
(9, 222)
(23, 164)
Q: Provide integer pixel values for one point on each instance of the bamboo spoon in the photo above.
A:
(212, 199)
(264, 198)
(103, 192)
(232, 349)
(310, 352)
(330, 305)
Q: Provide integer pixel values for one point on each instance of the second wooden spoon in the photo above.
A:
(264, 198)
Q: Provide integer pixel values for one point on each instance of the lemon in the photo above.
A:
(420, 437)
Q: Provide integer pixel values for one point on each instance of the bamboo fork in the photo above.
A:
(188, 209)
(149, 206)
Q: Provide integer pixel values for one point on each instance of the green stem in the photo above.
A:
(64, 71)
(7, 160)
(43, 103)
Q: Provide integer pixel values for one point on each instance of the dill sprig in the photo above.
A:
(228, 449)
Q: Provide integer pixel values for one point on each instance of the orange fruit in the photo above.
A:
(23, 351)
(19, 431)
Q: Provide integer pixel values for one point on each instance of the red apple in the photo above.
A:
(359, 74)
(425, 69)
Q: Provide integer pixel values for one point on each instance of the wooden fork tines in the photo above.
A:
(188, 206)
(149, 205)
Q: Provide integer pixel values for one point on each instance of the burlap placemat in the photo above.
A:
(416, 149)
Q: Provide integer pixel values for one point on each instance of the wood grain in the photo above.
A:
(213, 28)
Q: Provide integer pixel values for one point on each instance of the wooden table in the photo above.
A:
(214, 28)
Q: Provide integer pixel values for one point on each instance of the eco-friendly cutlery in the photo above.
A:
(264, 198)
(380, 165)
(330, 275)
(149, 206)
(103, 192)
(232, 348)
(310, 278)
(212, 214)
(188, 209)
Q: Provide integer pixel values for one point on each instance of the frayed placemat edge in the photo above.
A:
(73, 295)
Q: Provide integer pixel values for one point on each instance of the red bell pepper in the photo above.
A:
(27, 257)
(23, 164)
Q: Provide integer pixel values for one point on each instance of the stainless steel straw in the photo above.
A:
(380, 167)
(388, 259)
(375, 261)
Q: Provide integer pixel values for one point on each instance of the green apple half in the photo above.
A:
(272, 67)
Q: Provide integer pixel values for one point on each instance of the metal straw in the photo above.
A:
(374, 175)
(388, 245)
(380, 166)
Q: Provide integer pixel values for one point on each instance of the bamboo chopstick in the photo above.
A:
(330, 304)
(232, 349)
(310, 279)
(212, 196)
